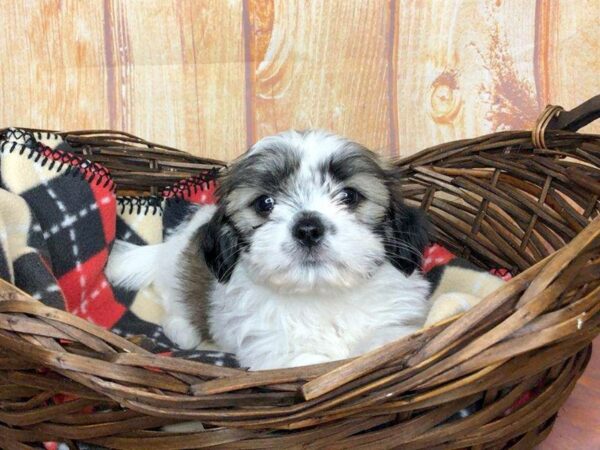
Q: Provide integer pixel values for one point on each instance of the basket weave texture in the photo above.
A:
(498, 200)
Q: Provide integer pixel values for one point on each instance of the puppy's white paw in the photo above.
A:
(182, 333)
(381, 337)
(450, 304)
(307, 359)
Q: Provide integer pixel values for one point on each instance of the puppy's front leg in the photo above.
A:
(382, 336)
(181, 332)
(307, 359)
(269, 362)
(450, 304)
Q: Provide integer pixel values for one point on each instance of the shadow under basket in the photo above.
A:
(526, 201)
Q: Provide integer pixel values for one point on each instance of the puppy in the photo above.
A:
(310, 255)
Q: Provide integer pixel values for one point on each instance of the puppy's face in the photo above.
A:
(305, 211)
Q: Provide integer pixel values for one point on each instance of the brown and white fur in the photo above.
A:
(310, 255)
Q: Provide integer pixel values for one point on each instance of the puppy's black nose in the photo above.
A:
(308, 230)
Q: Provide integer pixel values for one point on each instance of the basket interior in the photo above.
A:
(499, 202)
(137, 166)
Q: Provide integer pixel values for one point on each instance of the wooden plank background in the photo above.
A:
(212, 76)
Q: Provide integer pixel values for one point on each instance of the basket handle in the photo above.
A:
(578, 117)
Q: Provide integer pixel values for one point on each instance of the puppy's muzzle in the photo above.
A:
(308, 229)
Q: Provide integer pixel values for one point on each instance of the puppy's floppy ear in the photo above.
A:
(406, 231)
(221, 245)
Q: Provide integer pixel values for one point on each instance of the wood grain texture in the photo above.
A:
(320, 64)
(578, 423)
(464, 68)
(178, 73)
(212, 76)
(52, 72)
(573, 61)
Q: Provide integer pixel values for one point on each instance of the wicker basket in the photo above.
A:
(521, 200)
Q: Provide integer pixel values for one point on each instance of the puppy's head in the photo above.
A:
(311, 210)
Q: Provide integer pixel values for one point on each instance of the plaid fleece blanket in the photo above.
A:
(58, 219)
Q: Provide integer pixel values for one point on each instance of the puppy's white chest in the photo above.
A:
(267, 329)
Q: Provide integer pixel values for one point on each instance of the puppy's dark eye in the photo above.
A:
(264, 205)
(349, 196)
